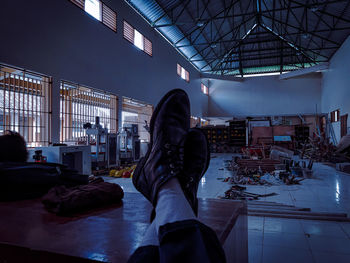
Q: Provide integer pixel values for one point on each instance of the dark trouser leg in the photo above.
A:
(182, 242)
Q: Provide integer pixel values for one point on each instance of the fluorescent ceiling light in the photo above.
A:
(263, 74)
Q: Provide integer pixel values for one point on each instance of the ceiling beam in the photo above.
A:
(296, 47)
(283, 35)
(227, 33)
(259, 66)
(310, 32)
(196, 28)
(254, 50)
(215, 17)
(298, 6)
(317, 24)
(235, 47)
(322, 11)
(207, 76)
(336, 22)
(261, 57)
(166, 13)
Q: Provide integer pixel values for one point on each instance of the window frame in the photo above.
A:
(179, 70)
(99, 2)
(129, 35)
(335, 115)
(108, 15)
(26, 104)
(204, 89)
(79, 104)
(143, 110)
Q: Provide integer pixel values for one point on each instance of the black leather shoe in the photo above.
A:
(164, 159)
(196, 162)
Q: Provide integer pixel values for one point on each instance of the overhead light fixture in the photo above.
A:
(314, 9)
(213, 45)
(200, 24)
(305, 36)
(261, 74)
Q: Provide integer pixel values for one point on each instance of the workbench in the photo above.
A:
(28, 233)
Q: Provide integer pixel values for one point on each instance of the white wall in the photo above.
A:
(336, 84)
(59, 39)
(261, 96)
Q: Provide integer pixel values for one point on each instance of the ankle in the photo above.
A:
(173, 186)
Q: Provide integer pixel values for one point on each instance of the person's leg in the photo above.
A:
(172, 205)
(151, 236)
(182, 237)
(148, 251)
(168, 177)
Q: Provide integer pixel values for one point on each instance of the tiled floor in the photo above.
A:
(289, 240)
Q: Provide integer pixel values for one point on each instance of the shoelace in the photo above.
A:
(175, 156)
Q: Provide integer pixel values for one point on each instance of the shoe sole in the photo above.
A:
(143, 160)
(208, 152)
(195, 205)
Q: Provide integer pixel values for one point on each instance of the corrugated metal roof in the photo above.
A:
(241, 36)
(155, 15)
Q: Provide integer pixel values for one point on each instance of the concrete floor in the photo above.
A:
(288, 240)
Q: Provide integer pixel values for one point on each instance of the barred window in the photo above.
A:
(25, 105)
(136, 38)
(137, 112)
(79, 105)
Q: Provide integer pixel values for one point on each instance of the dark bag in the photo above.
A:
(65, 201)
(31, 180)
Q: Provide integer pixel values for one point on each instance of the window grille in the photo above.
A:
(79, 3)
(25, 105)
(179, 69)
(137, 112)
(187, 76)
(109, 17)
(147, 46)
(128, 32)
(80, 105)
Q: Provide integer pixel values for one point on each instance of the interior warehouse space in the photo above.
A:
(175, 131)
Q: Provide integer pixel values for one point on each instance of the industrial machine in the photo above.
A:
(74, 157)
(129, 150)
(98, 140)
(104, 153)
(112, 156)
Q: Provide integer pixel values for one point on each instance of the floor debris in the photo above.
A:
(267, 171)
(237, 192)
(321, 150)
